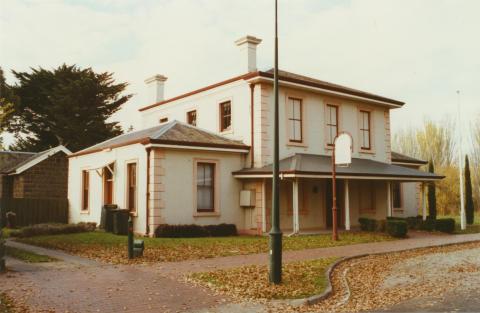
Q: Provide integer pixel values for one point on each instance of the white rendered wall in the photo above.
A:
(121, 156)
(179, 196)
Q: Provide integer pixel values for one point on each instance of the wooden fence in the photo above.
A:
(34, 211)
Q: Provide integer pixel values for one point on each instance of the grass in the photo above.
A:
(27, 256)
(471, 229)
(300, 280)
(112, 248)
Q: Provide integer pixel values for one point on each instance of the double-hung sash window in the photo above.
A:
(225, 116)
(295, 119)
(332, 123)
(205, 187)
(365, 130)
(85, 189)
(132, 186)
(192, 118)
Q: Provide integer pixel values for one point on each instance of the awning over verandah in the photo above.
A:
(320, 166)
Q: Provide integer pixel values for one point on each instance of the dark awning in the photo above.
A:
(319, 166)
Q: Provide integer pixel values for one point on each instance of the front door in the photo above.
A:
(108, 185)
(329, 203)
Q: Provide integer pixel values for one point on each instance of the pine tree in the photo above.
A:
(65, 106)
(469, 207)
(432, 197)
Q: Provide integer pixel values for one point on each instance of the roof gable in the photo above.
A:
(36, 158)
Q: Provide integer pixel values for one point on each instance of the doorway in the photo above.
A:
(329, 203)
(108, 184)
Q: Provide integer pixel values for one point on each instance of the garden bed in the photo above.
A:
(300, 280)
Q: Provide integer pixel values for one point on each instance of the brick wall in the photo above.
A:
(47, 179)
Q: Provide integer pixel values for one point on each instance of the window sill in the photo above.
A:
(366, 151)
(206, 214)
(297, 144)
(226, 131)
(327, 147)
(85, 212)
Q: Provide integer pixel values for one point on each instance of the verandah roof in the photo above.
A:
(310, 165)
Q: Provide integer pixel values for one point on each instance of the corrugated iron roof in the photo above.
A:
(311, 164)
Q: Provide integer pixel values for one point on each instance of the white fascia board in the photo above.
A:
(155, 145)
(325, 91)
(41, 158)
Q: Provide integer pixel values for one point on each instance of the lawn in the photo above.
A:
(27, 256)
(299, 280)
(113, 249)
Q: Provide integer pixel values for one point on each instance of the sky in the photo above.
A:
(417, 51)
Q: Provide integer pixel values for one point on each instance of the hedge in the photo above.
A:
(445, 225)
(397, 228)
(194, 230)
(53, 229)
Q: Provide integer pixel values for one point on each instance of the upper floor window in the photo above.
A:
(332, 123)
(132, 187)
(295, 119)
(365, 130)
(225, 116)
(396, 195)
(192, 118)
(205, 187)
(164, 120)
(85, 189)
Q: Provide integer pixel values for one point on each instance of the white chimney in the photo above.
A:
(156, 87)
(248, 48)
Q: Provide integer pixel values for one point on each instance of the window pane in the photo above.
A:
(205, 186)
(292, 129)
(290, 108)
(297, 130)
(297, 108)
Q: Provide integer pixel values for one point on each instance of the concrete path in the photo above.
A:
(76, 284)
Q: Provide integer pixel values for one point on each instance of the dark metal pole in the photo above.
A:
(130, 237)
(275, 232)
(334, 197)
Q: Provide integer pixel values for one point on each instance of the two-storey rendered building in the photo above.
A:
(205, 157)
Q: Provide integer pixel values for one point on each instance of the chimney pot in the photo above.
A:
(156, 88)
(248, 47)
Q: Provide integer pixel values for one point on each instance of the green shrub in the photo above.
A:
(53, 229)
(222, 230)
(428, 224)
(445, 225)
(367, 224)
(414, 222)
(397, 228)
(193, 230)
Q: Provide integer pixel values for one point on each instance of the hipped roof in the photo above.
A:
(173, 133)
(310, 165)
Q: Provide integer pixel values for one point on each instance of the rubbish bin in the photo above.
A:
(138, 247)
(106, 220)
(120, 221)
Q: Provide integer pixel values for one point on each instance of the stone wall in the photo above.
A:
(47, 179)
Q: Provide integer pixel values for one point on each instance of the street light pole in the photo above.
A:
(275, 232)
(334, 196)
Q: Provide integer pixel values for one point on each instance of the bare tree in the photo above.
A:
(475, 159)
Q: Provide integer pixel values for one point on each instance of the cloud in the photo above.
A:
(417, 51)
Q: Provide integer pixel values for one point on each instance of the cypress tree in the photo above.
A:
(469, 207)
(432, 197)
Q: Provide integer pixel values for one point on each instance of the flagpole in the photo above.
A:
(275, 232)
(460, 165)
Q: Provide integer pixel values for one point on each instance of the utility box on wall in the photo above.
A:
(247, 198)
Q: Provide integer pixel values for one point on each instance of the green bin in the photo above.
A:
(106, 220)
(120, 222)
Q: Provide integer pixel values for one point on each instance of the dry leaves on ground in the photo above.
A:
(300, 280)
